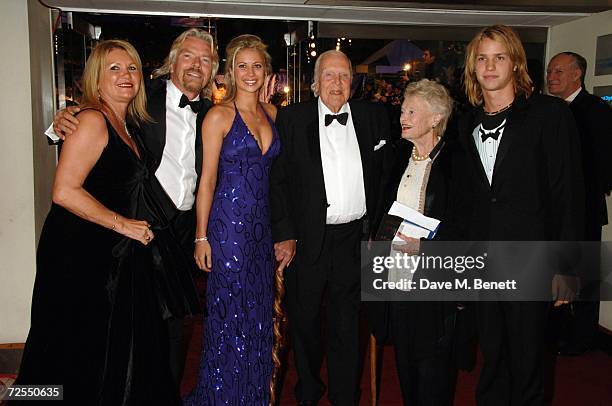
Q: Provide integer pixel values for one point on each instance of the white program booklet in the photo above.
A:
(414, 224)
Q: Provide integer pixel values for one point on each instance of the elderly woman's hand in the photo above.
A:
(410, 246)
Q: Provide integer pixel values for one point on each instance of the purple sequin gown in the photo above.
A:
(236, 363)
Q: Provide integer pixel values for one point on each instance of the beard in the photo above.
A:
(192, 84)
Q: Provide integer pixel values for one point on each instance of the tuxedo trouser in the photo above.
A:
(334, 278)
(183, 225)
(582, 322)
(512, 340)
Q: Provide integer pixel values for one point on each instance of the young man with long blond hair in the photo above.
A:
(518, 179)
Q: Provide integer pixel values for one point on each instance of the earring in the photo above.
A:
(514, 69)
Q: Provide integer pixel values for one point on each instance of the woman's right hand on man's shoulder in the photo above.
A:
(65, 122)
(203, 255)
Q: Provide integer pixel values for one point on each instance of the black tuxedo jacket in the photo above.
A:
(298, 196)
(594, 121)
(537, 191)
(154, 137)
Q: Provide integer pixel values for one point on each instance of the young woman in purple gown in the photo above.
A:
(233, 236)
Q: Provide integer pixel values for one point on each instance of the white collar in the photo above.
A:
(572, 96)
(175, 94)
(323, 109)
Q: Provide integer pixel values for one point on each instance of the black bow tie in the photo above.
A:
(342, 118)
(494, 134)
(196, 105)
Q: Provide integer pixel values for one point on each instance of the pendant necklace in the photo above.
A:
(127, 132)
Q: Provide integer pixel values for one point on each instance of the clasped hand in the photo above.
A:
(138, 230)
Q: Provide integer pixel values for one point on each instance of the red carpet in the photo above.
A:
(585, 380)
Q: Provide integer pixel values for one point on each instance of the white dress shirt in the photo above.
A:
(342, 169)
(177, 172)
(488, 149)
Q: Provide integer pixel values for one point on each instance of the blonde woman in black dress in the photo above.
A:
(105, 261)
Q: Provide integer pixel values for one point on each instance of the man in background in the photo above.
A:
(565, 80)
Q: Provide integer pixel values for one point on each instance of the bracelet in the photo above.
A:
(114, 227)
(200, 239)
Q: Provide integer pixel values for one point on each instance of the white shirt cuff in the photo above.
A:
(51, 134)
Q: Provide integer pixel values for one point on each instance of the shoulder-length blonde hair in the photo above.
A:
(246, 41)
(166, 68)
(510, 40)
(94, 71)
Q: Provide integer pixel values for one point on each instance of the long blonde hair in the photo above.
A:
(510, 40)
(246, 41)
(93, 72)
(166, 68)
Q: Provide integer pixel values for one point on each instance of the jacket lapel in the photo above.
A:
(514, 124)
(311, 126)
(312, 133)
(365, 143)
(156, 131)
(580, 97)
(401, 157)
(467, 140)
(198, 141)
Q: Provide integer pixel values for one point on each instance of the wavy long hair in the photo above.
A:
(246, 41)
(510, 40)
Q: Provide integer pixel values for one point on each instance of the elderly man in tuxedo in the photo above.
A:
(565, 80)
(323, 186)
(177, 100)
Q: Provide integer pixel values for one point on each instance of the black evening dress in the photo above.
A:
(100, 299)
